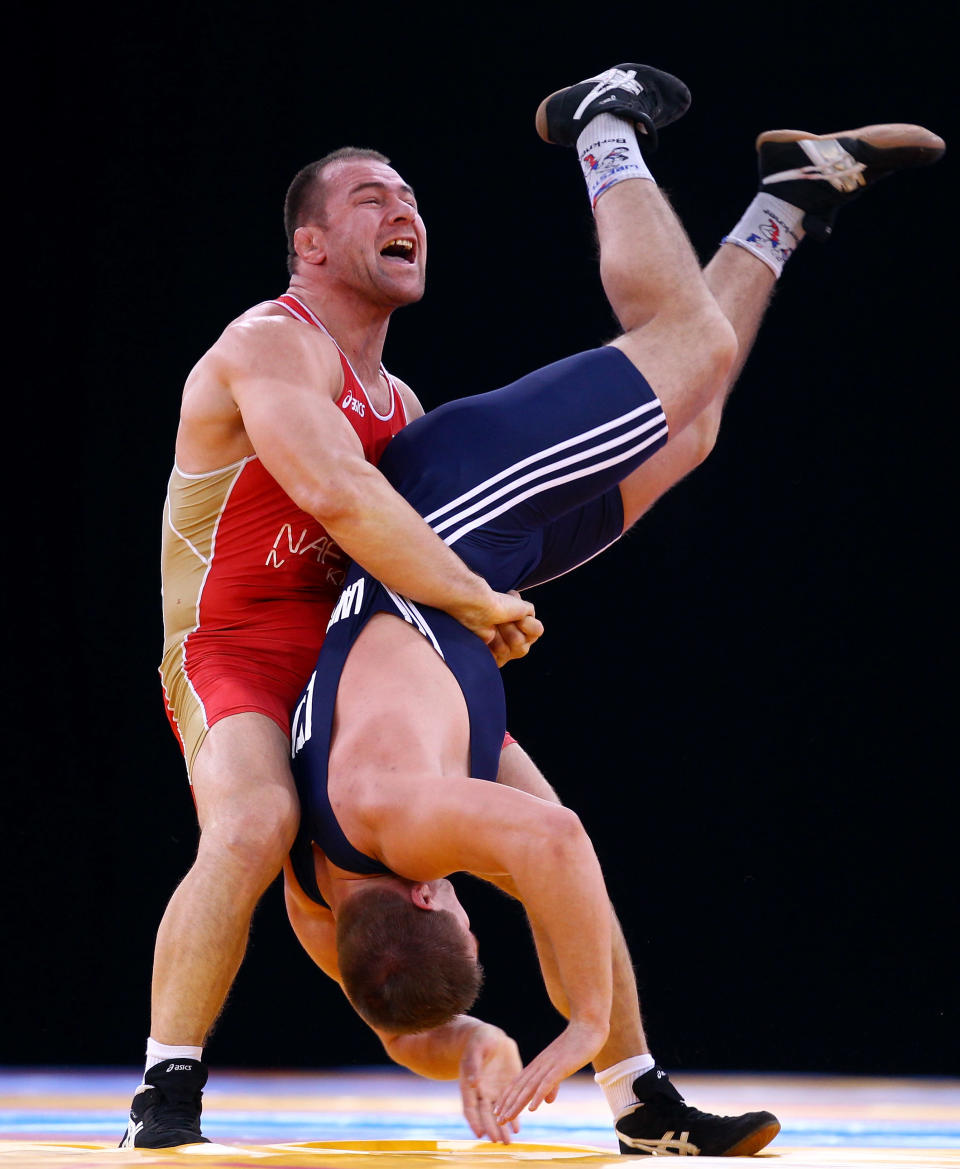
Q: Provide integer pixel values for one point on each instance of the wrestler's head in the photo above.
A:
(352, 225)
(407, 957)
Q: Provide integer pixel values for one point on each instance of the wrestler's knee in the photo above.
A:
(704, 431)
(252, 835)
(715, 347)
(688, 357)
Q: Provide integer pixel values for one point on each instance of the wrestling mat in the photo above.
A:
(386, 1119)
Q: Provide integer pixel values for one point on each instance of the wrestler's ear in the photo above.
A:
(422, 895)
(310, 243)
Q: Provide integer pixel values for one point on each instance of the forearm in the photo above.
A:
(566, 898)
(517, 770)
(377, 528)
(435, 1054)
(626, 1037)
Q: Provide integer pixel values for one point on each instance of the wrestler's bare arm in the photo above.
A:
(483, 1057)
(284, 380)
(449, 824)
(312, 923)
(435, 1054)
(513, 639)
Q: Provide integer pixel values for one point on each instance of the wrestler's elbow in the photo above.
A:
(562, 834)
(339, 495)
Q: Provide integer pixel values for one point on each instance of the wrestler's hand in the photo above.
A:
(513, 639)
(488, 1064)
(485, 618)
(540, 1079)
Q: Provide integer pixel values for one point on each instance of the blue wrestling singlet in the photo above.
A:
(523, 483)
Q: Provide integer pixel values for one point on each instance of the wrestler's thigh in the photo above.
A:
(242, 771)
(577, 537)
(527, 453)
(518, 770)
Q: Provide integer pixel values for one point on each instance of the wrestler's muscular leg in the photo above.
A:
(741, 285)
(626, 1037)
(248, 812)
(674, 330)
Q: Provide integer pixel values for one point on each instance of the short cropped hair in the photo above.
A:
(306, 196)
(405, 969)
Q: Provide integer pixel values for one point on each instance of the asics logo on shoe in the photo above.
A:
(678, 1146)
(612, 79)
(831, 163)
(179, 1067)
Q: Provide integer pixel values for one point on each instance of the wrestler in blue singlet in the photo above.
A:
(523, 483)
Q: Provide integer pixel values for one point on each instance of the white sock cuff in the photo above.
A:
(609, 153)
(158, 1052)
(770, 228)
(617, 1081)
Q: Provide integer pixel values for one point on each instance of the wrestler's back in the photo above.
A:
(410, 715)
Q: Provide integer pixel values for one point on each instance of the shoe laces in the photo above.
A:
(619, 79)
(830, 162)
(625, 79)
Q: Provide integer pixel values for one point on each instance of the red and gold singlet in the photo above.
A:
(250, 580)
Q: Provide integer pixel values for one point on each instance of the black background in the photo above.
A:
(748, 700)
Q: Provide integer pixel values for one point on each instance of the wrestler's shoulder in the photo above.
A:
(269, 330)
(269, 320)
(411, 403)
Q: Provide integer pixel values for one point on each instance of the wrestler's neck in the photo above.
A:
(357, 324)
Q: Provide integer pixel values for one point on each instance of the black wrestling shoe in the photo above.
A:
(647, 96)
(166, 1107)
(662, 1124)
(819, 173)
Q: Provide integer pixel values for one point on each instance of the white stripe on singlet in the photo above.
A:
(411, 614)
(309, 317)
(510, 483)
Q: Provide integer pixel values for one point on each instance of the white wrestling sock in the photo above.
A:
(617, 1082)
(771, 229)
(158, 1052)
(609, 153)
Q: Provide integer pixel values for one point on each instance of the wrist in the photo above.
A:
(475, 606)
(594, 1022)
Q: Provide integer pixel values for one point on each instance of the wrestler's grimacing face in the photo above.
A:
(376, 241)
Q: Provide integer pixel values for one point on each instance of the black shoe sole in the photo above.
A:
(754, 1142)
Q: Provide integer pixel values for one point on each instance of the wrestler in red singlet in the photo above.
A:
(250, 580)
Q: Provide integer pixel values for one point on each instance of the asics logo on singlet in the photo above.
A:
(351, 403)
(612, 79)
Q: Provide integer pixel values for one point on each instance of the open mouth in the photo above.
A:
(400, 249)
